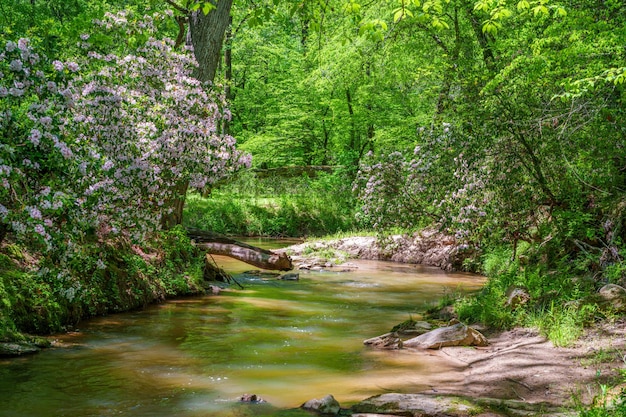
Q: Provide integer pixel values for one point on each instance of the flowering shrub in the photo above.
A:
(37, 164)
(437, 184)
(105, 142)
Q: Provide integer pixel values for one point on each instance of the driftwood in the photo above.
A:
(218, 244)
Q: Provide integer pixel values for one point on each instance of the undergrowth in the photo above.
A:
(560, 304)
(276, 207)
(39, 296)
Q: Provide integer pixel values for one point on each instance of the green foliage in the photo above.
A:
(279, 207)
(606, 406)
(560, 306)
(37, 297)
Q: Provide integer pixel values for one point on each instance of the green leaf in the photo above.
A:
(523, 5)
(560, 12)
(398, 15)
(439, 24)
(481, 5)
(207, 7)
(490, 27)
(541, 9)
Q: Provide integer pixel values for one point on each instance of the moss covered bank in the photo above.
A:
(42, 295)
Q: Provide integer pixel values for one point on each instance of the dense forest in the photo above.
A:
(500, 122)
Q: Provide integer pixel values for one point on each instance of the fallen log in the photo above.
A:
(218, 244)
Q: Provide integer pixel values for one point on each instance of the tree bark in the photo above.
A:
(217, 244)
(3, 231)
(207, 36)
(177, 203)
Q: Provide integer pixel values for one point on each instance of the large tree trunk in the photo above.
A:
(217, 244)
(207, 35)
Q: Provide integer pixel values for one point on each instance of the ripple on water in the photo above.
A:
(285, 341)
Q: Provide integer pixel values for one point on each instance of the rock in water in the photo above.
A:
(292, 276)
(251, 398)
(457, 335)
(326, 405)
(385, 341)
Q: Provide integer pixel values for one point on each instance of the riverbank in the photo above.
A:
(521, 372)
(428, 247)
(41, 294)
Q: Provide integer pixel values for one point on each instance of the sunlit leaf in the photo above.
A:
(541, 9)
(207, 7)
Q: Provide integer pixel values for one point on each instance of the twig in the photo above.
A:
(228, 277)
(177, 7)
(518, 396)
(521, 383)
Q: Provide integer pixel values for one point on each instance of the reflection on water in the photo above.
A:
(287, 342)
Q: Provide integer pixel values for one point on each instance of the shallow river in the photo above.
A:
(286, 341)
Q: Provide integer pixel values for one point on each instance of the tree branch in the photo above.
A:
(178, 7)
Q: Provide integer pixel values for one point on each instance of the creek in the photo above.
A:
(286, 341)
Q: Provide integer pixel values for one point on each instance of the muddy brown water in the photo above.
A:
(286, 341)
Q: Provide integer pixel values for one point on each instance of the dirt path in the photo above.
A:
(521, 365)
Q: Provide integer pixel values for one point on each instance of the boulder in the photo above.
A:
(385, 341)
(326, 405)
(517, 296)
(457, 335)
(414, 405)
(614, 296)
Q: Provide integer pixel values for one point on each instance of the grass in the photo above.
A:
(248, 206)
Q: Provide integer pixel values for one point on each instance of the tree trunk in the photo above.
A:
(177, 203)
(207, 36)
(3, 231)
(217, 244)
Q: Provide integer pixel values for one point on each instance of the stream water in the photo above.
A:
(286, 341)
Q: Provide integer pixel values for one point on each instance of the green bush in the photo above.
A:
(559, 305)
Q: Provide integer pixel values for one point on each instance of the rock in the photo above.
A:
(385, 341)
(326, 405)
(214, 289)
(614, 296)
(251, 398)
(429, 247)
(415, 405)
(412, 328)
(17, 349)
(457, 335)
(291, 276)
(446, 313)
(516, 296)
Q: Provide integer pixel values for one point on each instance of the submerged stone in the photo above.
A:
(18, 349)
